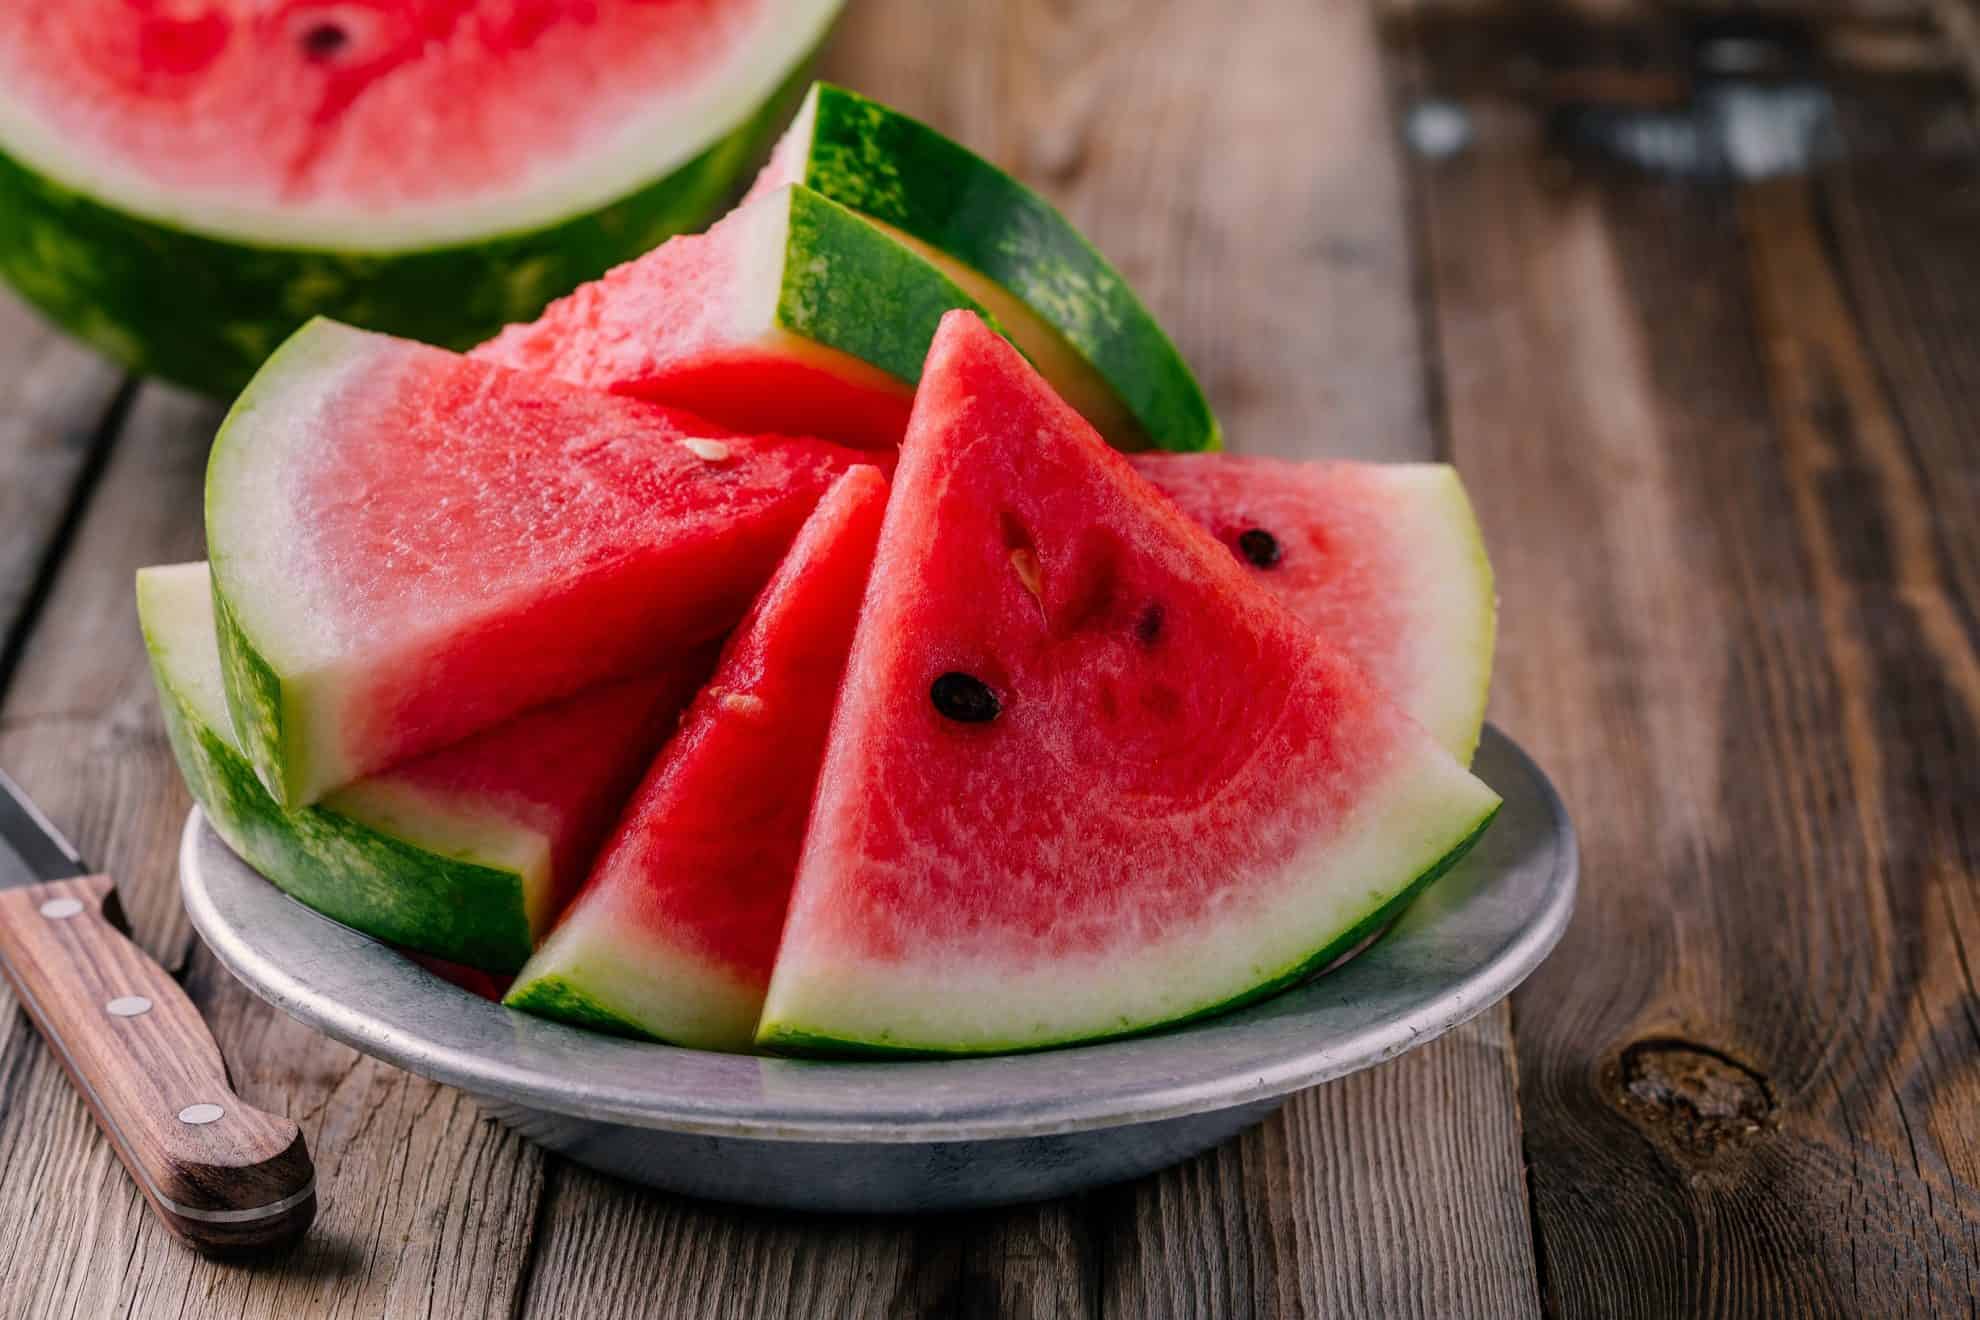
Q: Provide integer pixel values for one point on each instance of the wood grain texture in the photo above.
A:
(232, 1180)
(1734, 635)
(58, 404)
(426, 1208)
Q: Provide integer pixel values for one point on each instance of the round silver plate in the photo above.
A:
(912, 1135)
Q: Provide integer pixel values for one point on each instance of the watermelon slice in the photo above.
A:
(1086, 777)
(675, 932)
(1384, 559)
(791, 314)
(467, 853)
(1052, 292)
(409, 546)
(183, 184)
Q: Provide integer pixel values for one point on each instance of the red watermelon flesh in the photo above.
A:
(692, 323)
(321, 108)
(676, 929)
(409, 546)
(480, 984)
(1384, 559)
(1086, 776)
(560, 772)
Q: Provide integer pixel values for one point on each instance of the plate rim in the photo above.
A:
(372, 968)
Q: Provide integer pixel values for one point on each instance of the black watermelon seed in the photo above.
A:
(1259, 546)
(964, 698)
(1149, 626)
(323, 40)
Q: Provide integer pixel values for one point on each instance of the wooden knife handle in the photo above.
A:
(224, 1176)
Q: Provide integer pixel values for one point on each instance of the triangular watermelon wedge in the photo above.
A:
(409, 546)
(675, 932)
(467, 853)
(790, 314)
(1384, 559)
(1086, 777)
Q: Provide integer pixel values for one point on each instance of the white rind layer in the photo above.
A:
(953, 1002)
(176, 603)
(255, 547)
(1454, 607)
(624, 968)
(255, 551)
(643, 149)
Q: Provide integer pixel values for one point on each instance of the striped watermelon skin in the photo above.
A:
(1054, 294)
(198, 302)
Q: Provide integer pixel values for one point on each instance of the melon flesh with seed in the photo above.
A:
(1383, 559)
(1086, 776)
(1049, 288)
(184, 184)
(409, 546)
(465, 854)
(675, 932)
(791, 314)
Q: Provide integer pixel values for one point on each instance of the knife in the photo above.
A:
(225, 1177)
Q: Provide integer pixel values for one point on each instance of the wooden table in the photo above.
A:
(1723, 431)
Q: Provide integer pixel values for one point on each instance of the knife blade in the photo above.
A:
(220, 1174)
(36, 850)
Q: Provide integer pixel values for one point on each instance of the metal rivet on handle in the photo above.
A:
(200, 1115)
(61, 909)
(128, 1006)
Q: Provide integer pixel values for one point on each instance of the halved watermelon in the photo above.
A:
(183, 184)
(409, 546)
(467, 853)
(1052, 292)
(791, 314)
(1086, 777)
(1384, 559)
(676, 929)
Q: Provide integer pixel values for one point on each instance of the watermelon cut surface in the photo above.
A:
(466, 854)
(675, 932)
(183, 184)
(1086, 776)
(409, 546)
(791, 314)
(1383, 559)
(1050, 289)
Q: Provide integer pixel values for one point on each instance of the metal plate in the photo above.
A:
(1462, 947)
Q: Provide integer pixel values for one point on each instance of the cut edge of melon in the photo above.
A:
(643, 150)
(455, 831)
(797, 1041)
(1063, 266)
(855, 1011)
(581, 975)
(271, 695)
(317, 854)
(1450, 574)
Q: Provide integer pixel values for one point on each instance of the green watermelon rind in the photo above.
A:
(204, 311)
(558, 998)
(840, 273)
(895, 169)
(452, 908)
(777, 1038)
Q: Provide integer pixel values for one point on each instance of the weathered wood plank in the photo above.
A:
(1288, 280)
(426, 1207)
(1394, 1192)
(1748, 1075)
(57, 402)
